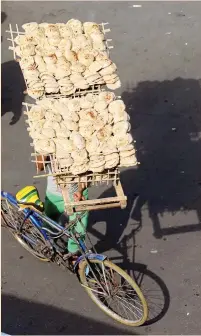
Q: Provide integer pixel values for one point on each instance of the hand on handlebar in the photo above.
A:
(78, 197)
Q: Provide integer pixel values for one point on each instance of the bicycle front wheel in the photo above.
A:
(114, 292)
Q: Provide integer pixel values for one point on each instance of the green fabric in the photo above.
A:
(54, 207)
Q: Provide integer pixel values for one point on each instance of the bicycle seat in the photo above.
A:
(28, 197)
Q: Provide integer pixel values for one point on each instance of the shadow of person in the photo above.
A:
(3, 17)
(166, 124)
(12, 88)
(22, 317)
(116, 219)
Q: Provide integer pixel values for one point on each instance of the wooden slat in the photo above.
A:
(120, 193)
(97, 207)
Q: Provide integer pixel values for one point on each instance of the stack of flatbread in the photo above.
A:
(62, 58)
(90, 133)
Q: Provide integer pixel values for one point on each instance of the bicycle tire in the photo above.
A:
(132, 283)
(18, 235)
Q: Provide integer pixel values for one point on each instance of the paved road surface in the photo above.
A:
(157, 50)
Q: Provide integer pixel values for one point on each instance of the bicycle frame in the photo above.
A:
(37, 218)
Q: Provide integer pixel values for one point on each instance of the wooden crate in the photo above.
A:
(120, 200)
(93, 88)
(108, 177)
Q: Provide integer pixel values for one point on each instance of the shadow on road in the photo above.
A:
(166, 124)
(12, 88)
(3, 17)
(23, 317)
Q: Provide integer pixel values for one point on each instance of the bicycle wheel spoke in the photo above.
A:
(123, 303)
(103, 268)
(137, 309)
(122, 297)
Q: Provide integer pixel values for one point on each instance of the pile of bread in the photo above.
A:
(62, 58)
(89, 133)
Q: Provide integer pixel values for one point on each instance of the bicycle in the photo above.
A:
(105, 283)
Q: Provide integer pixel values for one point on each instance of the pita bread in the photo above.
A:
(104, 63)
(78, 67)
(30, 27)
(104, 133)
(94, 67)
(124, 154)
(70, 55)
(63, 132)
(85, 103)
(52, 89)
(108, 148)
(97, 36)
(52, 124)
(71, 125)
(102, 56)
(82, 85)
(86, 132)
(65, 31)
(62, 72)
(112, 163)
(35, 93)
(108, 70)
(99, 45)
(128, 161)
(126, 148)
(121, 128)
(65, 162)
(125, 140)
(79, 156)
(64, 145)
(92, 78)
(74, 105)
(97, 157)
(100, 105)
(48, 133)
(50, 115)
(27, 61)
(93, 144)
(85, 57)
(99, 124)
(111, 156)
(36, 86)
(78, 140)
(52, 31)
(76, 77)
(81, 42)
(36, 113)
(27, 50)
(65, 81)
(110, 79)
(67, 92)
(88, 114)
(97, 169)
(76, 26)
(107, 97)
(79, 169)
(91, 27)
(44, 146)
(114, 86)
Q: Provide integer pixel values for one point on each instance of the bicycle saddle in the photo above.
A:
(28, 197)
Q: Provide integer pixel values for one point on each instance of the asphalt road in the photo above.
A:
(157, 51)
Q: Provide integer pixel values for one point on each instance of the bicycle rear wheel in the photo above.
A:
(29, 236)
(114, 292)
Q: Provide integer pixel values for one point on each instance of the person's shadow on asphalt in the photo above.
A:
(12, 88)
(166, 124)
